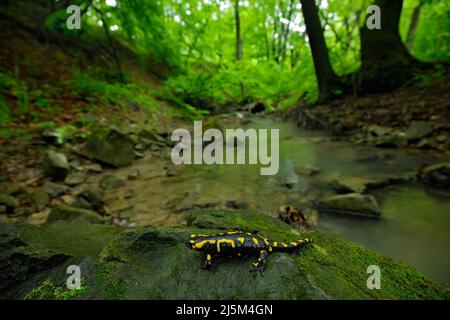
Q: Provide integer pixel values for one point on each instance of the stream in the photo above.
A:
(413, 227)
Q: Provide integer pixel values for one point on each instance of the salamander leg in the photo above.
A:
(206, 260)
(260, 264)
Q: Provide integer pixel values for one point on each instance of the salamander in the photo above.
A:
(239, 243)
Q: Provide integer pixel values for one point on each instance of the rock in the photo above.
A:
(352, 203)
(391, 141)
(54, 189)
(94, 197)
(19, 262)
(306, 170)
(158, 258)
(9, 201)
(436, 175)
(134, 175)
(3, 209)
(64, 212)
(111, 182)
(377, 130)
(149, 137)
(442, 138)
(56, 165)
(363, 184)
(40, 199)
(75, 178)
(68, 199)
(111, 147)
(93, 167)
(418, 130)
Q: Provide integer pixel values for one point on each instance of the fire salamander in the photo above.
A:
(238, 243)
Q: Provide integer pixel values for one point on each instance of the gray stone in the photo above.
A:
(56, 165)
(352, 203)
(437, 175)
(111, 147)
(418, 130)
(75, 178)
(64, 212)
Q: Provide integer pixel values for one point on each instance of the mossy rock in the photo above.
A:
(111, 147)
(153, 263)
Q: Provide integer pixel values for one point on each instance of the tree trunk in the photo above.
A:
(238, 31)
(326, 77)
(412, 27)
(385, 62)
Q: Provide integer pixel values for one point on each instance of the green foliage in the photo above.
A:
(47, 290)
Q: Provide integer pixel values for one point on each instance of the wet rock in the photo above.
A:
(111, 147)
(377, 130)
(54, 189)
(391, 141)
(149, 138)
(75, 178)
(64, 212)
(40, 199)
(93, 196)
(159, 258)
(306, 170)
(94, 167)
(111, 182)
(363, 184)
(418, 130)
(19, 262)
(436, 175)
(3, 209)
(68, 199)
(352, 203)
(56, 165)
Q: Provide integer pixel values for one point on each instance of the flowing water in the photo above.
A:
(415, 222)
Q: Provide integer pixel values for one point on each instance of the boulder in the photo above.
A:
(436, 175)
(54, 189)
(56, 165)
(352, 203)
(418, 130)
(111, 147)
(64, 212)
(154, 263)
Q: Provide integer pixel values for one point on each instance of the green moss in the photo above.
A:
(47, 290)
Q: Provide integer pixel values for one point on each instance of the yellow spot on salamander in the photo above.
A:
(275, 244)
(239, 254)
(241, 240)
(255, 241)
(284, 244)
(208, 257)
(224, 241)
(294, 244)
(270, 249)
(232, 232)
(265, 241)
(200, 244)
